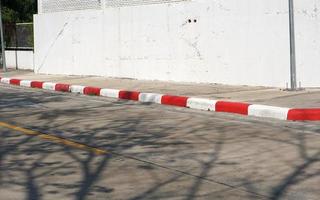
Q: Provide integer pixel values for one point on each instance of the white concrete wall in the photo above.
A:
(233, 42)
(308, 42)
(22, 59)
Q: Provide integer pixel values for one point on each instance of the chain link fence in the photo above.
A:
(48, 6)
(18, 42)
(119, 3)
(18, 36)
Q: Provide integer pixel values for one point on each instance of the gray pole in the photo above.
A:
(293, 74)
(2, 43)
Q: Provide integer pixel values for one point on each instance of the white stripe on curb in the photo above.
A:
(49, 86)
(77, 89)
(112, 93)
(25, 83)
(268, 111)
(150, 97)
(202, 104)
(5, 80)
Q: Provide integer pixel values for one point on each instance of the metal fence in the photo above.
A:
(65, 5)
(19, 36)
(119, 3)
(48, 6)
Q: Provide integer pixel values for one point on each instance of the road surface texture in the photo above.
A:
(66, 146)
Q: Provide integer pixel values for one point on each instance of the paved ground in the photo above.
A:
(150, 151)
(308, 98)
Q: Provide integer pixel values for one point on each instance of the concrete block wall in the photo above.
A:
(204, 41)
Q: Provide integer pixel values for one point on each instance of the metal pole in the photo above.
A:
(16, 51)
(293, 74)
(2, 43)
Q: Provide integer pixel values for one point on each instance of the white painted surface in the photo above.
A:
(307, 24)
(20, 59)
(25, 83)
(49, 86)
(5, 80)
(112, 93)
(232, 42)
(77, 89)
(201, 104)
(268, 111)
(150, 97)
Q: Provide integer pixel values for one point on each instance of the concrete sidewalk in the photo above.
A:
(308, 98)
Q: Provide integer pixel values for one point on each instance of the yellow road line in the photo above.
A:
(54, 139)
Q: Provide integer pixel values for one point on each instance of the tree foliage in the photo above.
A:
(18, 10)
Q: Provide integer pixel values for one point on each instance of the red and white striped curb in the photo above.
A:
(181, 101)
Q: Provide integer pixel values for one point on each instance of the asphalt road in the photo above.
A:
(66, 146)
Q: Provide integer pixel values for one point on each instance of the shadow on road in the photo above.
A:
(41, 168)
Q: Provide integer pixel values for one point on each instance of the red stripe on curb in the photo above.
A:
(36, 84)
(15, 81)
(130, 95)
(232, 107)
(180, 101)
(304, 114)
(62, 87)
(91, 91)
